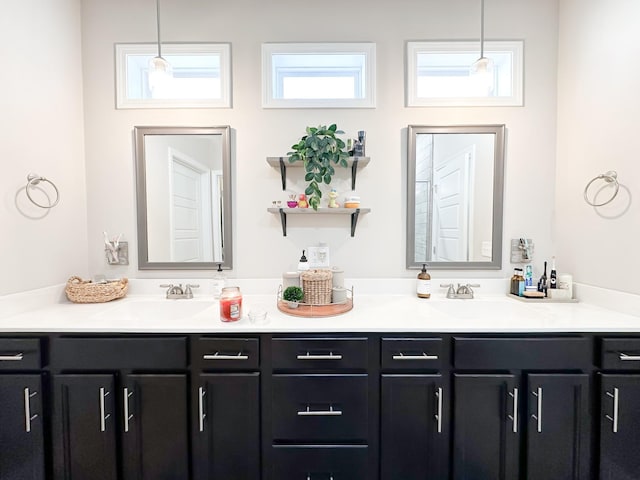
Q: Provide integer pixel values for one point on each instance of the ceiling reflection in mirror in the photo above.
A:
(184, 197)
(455, 190)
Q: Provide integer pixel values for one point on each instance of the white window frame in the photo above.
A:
(223, 50)
(369, 74)
(514, 47)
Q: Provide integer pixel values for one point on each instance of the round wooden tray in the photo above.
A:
(328, 310)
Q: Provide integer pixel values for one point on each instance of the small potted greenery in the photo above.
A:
(320, 149)
(293, 296)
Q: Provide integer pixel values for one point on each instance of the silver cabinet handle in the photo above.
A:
(538, 415)
(308, 356)
(103, 414)
(28, 418)
(439, 411)
(424, 356)
(629, 358)
(320, 413)
(309, 476)
(201, 414)
(12, 358)
(127, 416)
(514, 417)
(616, 404)
(218, 356)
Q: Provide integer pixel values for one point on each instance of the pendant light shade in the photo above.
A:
(482, 68)
(160, 71)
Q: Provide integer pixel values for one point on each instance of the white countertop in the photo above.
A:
(374, 312)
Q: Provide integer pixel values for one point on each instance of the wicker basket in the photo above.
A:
(85, 291)
(316, 285)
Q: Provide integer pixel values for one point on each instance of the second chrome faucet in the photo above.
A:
(464, 291)
(175, 292)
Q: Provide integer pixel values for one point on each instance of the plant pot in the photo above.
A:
(292, 304)
(292, 203)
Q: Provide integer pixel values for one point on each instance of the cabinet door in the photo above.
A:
(21, 438)
(415, 427)
(485, 427)
(227, 431)
(84, 427)
(558, 427)
(155, 427)
(619, 427)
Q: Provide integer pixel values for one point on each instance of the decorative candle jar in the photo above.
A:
(230, 304)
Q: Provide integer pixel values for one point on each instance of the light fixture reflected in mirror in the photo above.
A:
(160, 71)
(482, 69)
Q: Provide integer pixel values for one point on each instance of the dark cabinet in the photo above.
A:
(414, 427)
(619, 426)
(227, 426)
(21, 433)
(558, 427)
(147, 416)
(486, 427)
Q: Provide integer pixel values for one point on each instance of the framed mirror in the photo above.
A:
(455, 179)
(183, 190)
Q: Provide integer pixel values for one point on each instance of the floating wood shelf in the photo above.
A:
(354, 212)
(283, 163)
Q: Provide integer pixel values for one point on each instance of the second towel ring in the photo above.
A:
(609, 177)
(34, 179)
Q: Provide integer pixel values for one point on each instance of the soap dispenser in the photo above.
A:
(303, 264)
(219, 282)
(423, 288)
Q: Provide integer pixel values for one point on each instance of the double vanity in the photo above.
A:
(399, 388)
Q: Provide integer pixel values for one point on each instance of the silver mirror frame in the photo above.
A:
(141, 197)
(498, 191)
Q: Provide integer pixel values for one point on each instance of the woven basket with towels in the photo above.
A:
(85, 291)
(316, 285)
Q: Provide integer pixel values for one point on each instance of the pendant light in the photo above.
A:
(483, 67)
(159, 69)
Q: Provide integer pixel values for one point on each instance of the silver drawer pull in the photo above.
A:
(309, 476)
(103, 415)
(424, 356)
(538, 415)
(309, 356)
(28, 418)
(629, 358)
(127, 416)
(12, 358)
(218, 356)
(616, 401)
(439, 414)
(514, 417)
(201, 414)
(320, 413)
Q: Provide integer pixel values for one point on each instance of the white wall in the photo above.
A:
(378, 249)
(41, 130)
(598, 125)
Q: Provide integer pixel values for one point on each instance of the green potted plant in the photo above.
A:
(320, 149)
(293, 295)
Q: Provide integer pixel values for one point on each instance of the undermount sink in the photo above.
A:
(158, 310)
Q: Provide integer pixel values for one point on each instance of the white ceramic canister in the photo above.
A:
(338, 295)
(290, 279)
(565, 282)
(337, 280)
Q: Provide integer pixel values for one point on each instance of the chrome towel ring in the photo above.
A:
(610, 177)
(34, 179)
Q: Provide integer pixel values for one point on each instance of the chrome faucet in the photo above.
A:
(176, 292)
(464, 291)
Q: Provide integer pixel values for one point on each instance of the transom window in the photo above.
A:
(298, 75)
(200, 76)
(438, 74)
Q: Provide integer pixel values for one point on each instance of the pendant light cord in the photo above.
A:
(158, 26)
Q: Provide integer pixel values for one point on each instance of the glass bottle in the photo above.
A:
(423, 288)
(230, 304)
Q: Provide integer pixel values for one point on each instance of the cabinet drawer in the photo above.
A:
(522, 353)
(319, 353)
(320, 408)
(321, 463)
(411, 353)
(620, 353)
(226, 353)
(119, 353)
(19, 354)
